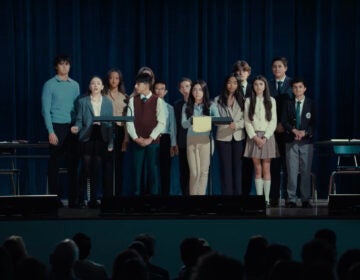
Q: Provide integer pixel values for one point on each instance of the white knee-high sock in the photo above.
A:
(259, 186)
(267, 184)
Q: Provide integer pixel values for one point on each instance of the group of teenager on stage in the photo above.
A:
(270, 134)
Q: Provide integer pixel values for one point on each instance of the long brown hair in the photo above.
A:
(267, 99)
(206, 99)
(237, 94)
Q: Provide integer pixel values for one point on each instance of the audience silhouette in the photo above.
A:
(262, 261)
(149, 244)
(254, 258)
(31, 268)
(215, 266)
(62, 260)
(129, 265)
(191, 249)
(346, 261)
(285, 270)
(84, 268)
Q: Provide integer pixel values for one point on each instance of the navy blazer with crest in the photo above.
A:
(285, 95)
(307, 123)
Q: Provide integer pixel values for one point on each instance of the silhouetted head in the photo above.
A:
(83, 243)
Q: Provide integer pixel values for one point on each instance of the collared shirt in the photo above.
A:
(301, 104)
(58, 100)
(198, 111)
(244, 86)
(96, 105)
(170, 125)
(160, 117)
(280, 80)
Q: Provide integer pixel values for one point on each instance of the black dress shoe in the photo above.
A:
(274, 203)
(73, 205)
(60, 204)
(306, 204)
(82, 205)
(93, 204)
(291, 204)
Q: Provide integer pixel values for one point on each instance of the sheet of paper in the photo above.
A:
(202, 124)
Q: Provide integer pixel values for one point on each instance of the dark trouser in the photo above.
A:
(93, 153)
(247, 175)
(230, 155)
(184, 171)
(165, 163)
(146, 162)
(66, 148)
(278, 167)
(113, 164)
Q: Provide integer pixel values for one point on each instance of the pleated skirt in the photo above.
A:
(269, 150)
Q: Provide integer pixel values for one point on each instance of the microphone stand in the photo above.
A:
(113, 120)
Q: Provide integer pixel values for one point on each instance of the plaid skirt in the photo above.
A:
(269, 150)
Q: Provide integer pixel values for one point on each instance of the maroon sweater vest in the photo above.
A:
(145, 116)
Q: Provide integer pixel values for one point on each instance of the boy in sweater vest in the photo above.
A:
(149, 122)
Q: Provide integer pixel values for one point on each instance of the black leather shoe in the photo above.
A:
(60, 204)
(306, 204)
(82, 205)
(73, 205)
(93, 204)
(274, 203)
(291, 204)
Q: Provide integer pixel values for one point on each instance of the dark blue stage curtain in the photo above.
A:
(197, 39)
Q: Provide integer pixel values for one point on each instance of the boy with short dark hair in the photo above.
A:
(145, 132)
(58, 98)
(298, 121)
(168, 147)
(280, 89)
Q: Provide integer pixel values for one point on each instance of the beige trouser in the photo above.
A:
(198, 154)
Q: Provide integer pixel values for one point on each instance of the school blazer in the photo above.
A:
(284, 96)
(85, 115)
(224, 133)
(307, 120)
(247, 92)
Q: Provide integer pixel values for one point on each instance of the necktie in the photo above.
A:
(244, 89)
(298, 117)
(144, 99)
(279, 84)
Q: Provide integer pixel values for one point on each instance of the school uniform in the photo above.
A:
(149, 122)
(261, 127)
(95, 139)
(299, 154)
(247, 164)
(230, 144)
(198, 150)
(181, 134)
(167, 140)
(282, 94)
